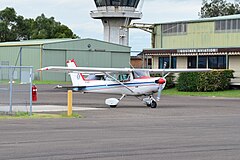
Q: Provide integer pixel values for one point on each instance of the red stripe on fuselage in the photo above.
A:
(144, 77)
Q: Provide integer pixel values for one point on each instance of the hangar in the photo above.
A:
(202, 43)
(55, 52)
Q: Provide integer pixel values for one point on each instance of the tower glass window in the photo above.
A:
(129, 3)
(100, 3)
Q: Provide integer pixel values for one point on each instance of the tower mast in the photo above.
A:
(115, 15)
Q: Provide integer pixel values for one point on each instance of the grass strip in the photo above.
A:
(25, 115)
(50, 82)
(227, 93)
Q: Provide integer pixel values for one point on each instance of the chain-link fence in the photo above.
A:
(16, 89)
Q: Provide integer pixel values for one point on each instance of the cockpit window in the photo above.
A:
(95, 77)
(119, 77)
(140, 74)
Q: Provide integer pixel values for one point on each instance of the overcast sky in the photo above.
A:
(75, 14)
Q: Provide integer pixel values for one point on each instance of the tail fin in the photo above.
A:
(76, 77)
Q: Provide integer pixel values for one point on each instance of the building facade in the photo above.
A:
(203, 43)
(55, 52)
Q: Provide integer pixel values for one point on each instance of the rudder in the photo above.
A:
(76, 77)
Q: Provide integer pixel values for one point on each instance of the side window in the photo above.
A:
(192, 62)
(162, 61)
(217, 62)
(123, 77)
(202, 62)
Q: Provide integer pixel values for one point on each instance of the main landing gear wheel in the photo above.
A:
(153, 104)
(149, 104)
(113, 102)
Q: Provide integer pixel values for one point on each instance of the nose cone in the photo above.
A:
(161, 81)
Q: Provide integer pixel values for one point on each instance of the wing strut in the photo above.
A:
(119, 82)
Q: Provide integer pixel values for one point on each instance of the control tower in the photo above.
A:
(115, 15)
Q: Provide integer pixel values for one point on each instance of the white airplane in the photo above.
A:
(121, 81)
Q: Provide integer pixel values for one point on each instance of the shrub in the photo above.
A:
(205, 81)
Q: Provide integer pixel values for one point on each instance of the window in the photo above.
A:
(192, 62)
(100, 3)
(214, 62)
(163, 60)
(227, 25)
(217, 62)
(202, 62)
(166, 60)
(174, 62)
(234, 25)
(130, 3)
(140, 74)
(115, 2)
(174, 28)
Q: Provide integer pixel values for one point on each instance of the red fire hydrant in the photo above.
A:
(34, 93)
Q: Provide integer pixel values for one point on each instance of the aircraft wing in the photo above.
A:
(115, 70)
(84, 69)
(177, 70)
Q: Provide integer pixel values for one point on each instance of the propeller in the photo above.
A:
(162, 82)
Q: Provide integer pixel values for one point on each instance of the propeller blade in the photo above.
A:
(159, 92)
(164, 67)
(162, 83)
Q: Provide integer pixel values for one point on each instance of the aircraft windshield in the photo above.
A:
(140, 74)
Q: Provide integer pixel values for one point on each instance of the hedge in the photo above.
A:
(215, 80)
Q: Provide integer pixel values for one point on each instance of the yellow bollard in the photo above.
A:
(69, 102)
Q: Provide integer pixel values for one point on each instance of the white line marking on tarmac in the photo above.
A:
(45, 108)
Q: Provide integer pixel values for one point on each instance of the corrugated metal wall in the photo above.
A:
(199, 35)
(30, 56)
(86, 52)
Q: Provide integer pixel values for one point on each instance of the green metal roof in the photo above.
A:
(34, 42)
(48, 41)
(236, 16)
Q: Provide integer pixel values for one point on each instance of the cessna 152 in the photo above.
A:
(121, 81)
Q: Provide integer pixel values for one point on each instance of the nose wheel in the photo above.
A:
(150, 102)
(153, 104)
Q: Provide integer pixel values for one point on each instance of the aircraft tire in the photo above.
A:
(153, 104)
(149, 104)
(113, 106)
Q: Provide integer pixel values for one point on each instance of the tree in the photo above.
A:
(14, 27)
(46, 28)
(7, 23)
(23, 28)
(216, 8)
